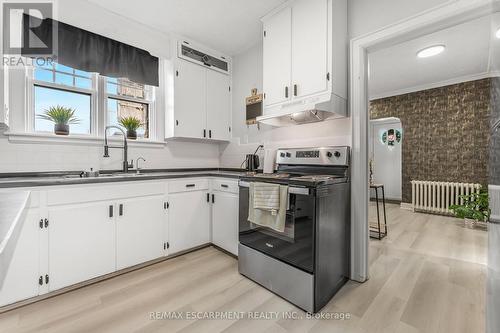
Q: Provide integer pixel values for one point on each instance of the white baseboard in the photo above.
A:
(407, 206)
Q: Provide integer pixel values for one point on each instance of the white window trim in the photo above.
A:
(24, 133)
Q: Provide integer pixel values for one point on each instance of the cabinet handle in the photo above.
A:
(204, 133)
(208, 197)
(176, 123)
(210, 134)
(190, 185)
(213, 198)
(224, 185)
(295, 90)
(120, 210)
(110, 210)
(286, 92)
(46, 278)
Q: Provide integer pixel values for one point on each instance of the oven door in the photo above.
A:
(295, 245)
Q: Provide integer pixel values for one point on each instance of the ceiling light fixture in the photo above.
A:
(430, 51)
(498, 33)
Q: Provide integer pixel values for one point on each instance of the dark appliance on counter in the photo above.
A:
(308, 262)
(252, 162)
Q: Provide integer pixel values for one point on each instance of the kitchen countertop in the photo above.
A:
(51, 179)
(12, 208)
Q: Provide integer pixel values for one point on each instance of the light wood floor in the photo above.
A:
(428, 276)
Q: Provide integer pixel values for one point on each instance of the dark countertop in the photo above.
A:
(13, 180)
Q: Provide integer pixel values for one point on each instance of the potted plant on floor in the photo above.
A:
(61, 116)
(131, 124)
(475, 209)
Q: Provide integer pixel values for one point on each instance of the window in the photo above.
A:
(128, 99)
(56, 84)
(60, 85)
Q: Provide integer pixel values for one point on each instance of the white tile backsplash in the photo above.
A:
(24, 157)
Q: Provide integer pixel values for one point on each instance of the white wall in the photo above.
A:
(387, 161)
(366, 16)
(247, 74)
(51, 157)
(86, 15)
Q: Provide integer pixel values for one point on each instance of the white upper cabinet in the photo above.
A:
(189, 98)
(199, 103)
(277, 57)
(309, 47)
(218, 105)
(305, 57)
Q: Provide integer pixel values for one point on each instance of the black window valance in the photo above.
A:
(87, 51)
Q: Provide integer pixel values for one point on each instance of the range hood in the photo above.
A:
(310, 110)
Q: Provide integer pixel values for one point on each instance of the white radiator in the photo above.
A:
(437, 197)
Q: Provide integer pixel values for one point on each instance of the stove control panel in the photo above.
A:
(314, 156)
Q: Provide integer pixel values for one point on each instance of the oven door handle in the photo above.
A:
(291, 189)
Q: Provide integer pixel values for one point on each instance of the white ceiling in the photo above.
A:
(228, 26)
(471, 52)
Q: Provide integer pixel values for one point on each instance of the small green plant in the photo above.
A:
(130, 123)
(475, 206)
(60, 115)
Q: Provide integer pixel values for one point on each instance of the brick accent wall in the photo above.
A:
(495, 138)
(445, 132)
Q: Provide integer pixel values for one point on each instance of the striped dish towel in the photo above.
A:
(266, 196)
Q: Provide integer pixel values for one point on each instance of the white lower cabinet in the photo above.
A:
(77, 233)
(189, 220)
(139, 226)
(81, 243)
(225, 221)
(21, 281)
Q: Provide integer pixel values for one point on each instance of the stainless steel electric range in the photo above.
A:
(308, 262)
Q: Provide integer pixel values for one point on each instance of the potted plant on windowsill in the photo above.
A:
(475, 209)
(61, 116)
(131, 124)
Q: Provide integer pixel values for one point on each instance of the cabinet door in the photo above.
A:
(189, 100)
(225, 221)
(309, 47)
(189, 220)
(21, 279)
(81, 243)
(277, 58)
(139, 228)
(218, 105)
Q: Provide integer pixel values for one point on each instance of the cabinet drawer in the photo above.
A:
(187, 185)
(102, 192)
(225, 185)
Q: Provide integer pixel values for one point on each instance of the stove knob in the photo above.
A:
(288, 155)
(329, 154)
(337, 154)
(282, 154)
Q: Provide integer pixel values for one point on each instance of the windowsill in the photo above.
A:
(20, 137)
